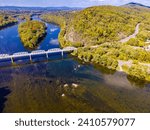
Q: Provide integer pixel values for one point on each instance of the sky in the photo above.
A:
(69, 3)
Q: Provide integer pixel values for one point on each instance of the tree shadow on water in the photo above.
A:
(3, 93)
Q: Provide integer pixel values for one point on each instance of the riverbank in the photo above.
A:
(62, 23)
(8, 25)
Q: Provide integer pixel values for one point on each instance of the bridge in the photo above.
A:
(36, 53)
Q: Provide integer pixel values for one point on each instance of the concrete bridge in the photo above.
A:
(36, 53)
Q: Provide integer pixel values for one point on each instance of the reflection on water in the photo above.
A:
(49, 87)
(4, 91)
(64, 85)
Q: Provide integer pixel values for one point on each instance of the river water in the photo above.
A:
(64, 85)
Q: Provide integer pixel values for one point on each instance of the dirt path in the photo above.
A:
(125, 39)
(131, 36)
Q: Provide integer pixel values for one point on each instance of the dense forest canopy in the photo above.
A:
(26, 17)
(97, 25)
(31, 33)
(6, 20)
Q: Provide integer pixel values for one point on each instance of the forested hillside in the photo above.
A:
(97, 25)
(24, 17)
(31, 33)
(97, 32)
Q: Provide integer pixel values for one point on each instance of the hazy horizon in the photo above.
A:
(68, 3)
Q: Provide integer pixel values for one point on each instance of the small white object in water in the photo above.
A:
(63, 95)
(74, 85)
(79, 66)
(75, 68)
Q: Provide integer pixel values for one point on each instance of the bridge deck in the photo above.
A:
(37, 52)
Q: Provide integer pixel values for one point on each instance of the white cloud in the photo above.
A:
(71, 3)
(97, 0)
(54, 41)
(1, 37)
(53, 29)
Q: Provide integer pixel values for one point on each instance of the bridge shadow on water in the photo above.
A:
(3, 93)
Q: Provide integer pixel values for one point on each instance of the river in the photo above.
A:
(64, 85)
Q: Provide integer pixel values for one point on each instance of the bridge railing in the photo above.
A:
(38, 51)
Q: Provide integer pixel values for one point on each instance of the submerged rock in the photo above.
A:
(63, 95)
(75, 85)
(66, 85)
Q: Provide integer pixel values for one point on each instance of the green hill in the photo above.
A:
(97, 25)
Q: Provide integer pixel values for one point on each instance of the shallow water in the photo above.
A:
(64, 85)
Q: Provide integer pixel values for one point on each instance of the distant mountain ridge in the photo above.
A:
(38, 8)
(134, 4)
(63, 8)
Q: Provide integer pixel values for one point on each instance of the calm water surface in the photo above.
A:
(64, 85)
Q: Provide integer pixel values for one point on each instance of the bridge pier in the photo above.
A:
(30, 58)
(62, 53)
(47, 55)
(12, 61)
